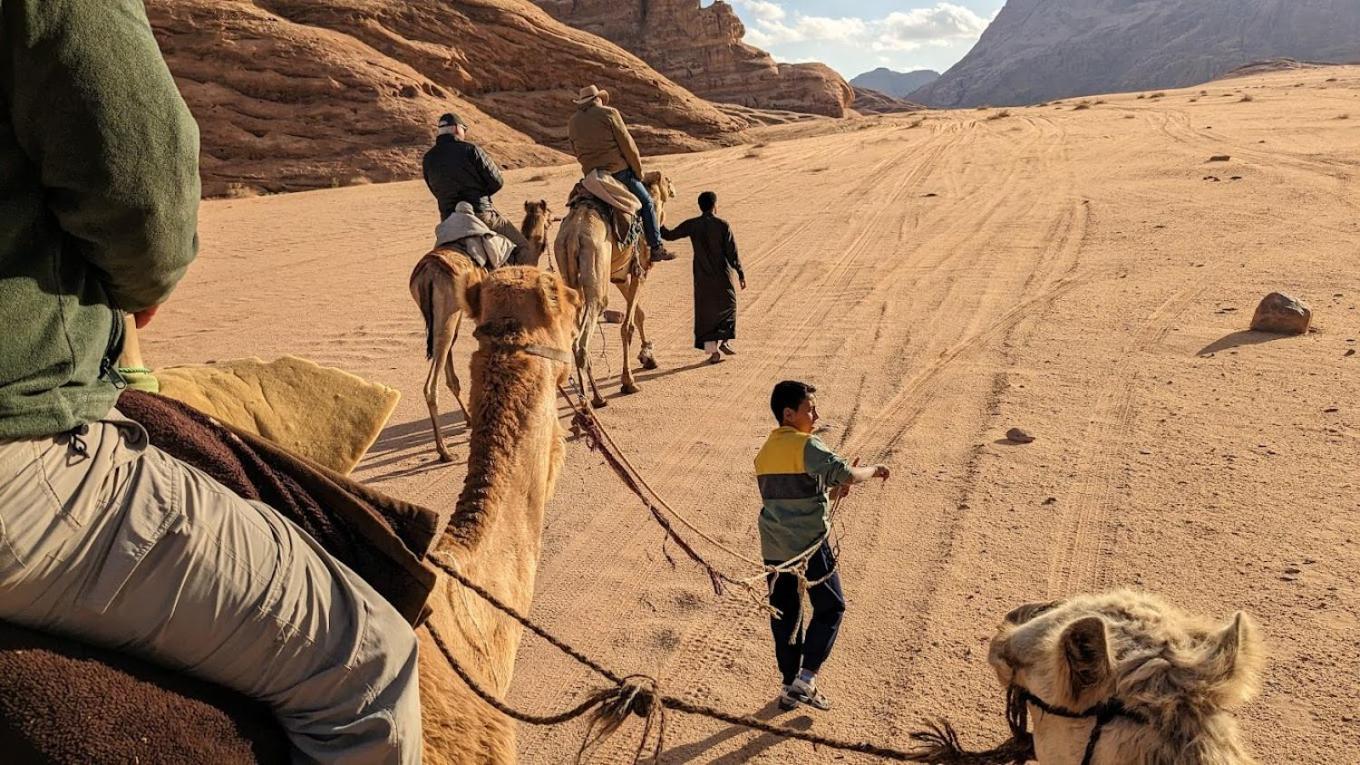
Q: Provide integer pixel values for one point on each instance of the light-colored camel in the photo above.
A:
(1178, 675)
(587, 251)
(494, 536)
(435, 285)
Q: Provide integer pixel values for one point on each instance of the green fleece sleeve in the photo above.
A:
(820, 462)
(95, 109)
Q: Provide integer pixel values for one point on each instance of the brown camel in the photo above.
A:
(494, 536)
(589, 258)
(435, 285)
(1176, 678)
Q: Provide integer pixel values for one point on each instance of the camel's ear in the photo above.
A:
(1231, 663)
(1029, 611)
(528, 206)
(550, 296)
(543, 205)
(1087, 654)
(472, 299)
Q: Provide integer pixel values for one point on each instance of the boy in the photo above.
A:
(797, 474)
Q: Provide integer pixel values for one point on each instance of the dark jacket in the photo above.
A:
(715, 257)
(601, 141)
(458, 171)
(98, 202)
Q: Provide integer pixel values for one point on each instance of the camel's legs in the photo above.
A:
(455, 386)
(584, 372)
(447, 319)
(647, 356)
(630, 291)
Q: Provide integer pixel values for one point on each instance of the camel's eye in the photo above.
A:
(1025, 613)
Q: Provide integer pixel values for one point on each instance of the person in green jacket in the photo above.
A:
(103, 537)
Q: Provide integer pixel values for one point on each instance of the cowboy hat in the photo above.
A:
(590, 93)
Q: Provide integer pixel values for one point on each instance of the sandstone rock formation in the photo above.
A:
(1041, 50)
(873, 102)
(896, 84)
(1281, 314)
(300, 94)
(701, 48)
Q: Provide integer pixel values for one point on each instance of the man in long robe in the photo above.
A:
(715, 260)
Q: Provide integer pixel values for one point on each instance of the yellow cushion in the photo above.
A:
(326, 415)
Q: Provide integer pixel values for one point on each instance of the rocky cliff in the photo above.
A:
(702, 49)
(299, 94)
(1039, 50)
(873, 102)
(896, 84)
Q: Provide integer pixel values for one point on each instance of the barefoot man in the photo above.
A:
(797, 474)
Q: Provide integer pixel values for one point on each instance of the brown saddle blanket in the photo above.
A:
(627, 229)
(62, 702)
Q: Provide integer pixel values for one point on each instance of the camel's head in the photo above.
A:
(662, 191)
(524, 306)
(1174, 669)
(537, 224)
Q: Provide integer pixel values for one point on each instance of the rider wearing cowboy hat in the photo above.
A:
(601, 141)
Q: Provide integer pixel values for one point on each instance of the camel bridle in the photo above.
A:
(497, 337)
(1103, 713)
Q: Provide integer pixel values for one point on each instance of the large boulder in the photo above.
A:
(302, 94)
(701, 48)
(1282, 314)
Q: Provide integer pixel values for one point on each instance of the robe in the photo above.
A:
(715, 258)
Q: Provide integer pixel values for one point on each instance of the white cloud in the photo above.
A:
(763, 10)
(943, 24)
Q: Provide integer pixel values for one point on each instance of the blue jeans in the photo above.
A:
(794, 650)
(650, 227)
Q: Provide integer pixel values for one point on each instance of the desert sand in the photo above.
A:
(1083, 273)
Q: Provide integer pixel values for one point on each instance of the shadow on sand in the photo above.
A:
(1238, 340)
(695, 751)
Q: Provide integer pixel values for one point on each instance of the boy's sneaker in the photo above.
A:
(727, 349)
(805, 693)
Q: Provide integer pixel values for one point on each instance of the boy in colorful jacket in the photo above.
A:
(798, 476)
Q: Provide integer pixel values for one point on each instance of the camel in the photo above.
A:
(494, 535)
(1166, 680)
(435, 286)
(587, 252)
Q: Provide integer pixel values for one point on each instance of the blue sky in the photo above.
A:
(854, 36)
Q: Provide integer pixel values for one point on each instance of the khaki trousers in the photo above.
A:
(109, 540)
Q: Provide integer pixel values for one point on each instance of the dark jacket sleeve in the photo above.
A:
(95, 109)
(730, 250)
(679, 232)
(491, 174)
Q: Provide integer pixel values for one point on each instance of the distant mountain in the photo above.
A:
(1040, 50)
(897, 84)
(873, 102)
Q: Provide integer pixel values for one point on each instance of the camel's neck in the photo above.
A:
(495, 533)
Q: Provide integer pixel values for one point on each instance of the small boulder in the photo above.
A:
(1016, 435)
(1282, 315)
(610, 316)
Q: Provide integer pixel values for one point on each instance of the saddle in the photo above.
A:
(626, 228)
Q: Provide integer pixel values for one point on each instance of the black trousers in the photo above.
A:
(793, 649)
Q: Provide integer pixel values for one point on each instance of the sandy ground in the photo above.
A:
(1070, 271)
